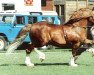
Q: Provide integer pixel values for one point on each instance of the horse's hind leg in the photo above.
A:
(30, 47)
(41, 55)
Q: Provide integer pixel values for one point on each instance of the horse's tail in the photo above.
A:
(19, 39)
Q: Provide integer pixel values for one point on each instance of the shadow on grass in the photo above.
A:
(50, 64)
(12, 64)
(4, 64)
(38, 64)
(44, 64)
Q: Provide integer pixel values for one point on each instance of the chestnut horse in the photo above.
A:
(43, 33)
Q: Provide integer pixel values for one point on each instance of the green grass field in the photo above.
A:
(56, 63)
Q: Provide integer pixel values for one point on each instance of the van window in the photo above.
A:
(7, 18)
(1, 18)
(20, 20)
(32, 19)
(48, 19)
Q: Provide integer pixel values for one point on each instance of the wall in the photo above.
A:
(72, 6)
(49, 5)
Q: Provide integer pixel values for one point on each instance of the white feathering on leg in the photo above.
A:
(41, 55)
(28, 62)
(72, 62)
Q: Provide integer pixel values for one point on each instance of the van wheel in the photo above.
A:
(50, 47)
(3, 43)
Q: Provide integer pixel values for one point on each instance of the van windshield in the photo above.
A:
(6, 18)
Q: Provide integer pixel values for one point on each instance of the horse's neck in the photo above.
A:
(81, 23)
(77, 22)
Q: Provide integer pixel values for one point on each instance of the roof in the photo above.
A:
(14, 12)
(49, 13)
(28, 13)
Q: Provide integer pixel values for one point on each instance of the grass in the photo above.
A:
(56, 63)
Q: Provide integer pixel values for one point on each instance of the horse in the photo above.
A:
(43, 33)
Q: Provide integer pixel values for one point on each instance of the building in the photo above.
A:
(64, 8)
(59, 7)
(91, 4)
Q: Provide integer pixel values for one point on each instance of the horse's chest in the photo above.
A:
(71, 35)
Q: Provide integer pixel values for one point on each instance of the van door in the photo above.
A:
(6, 27)
(17, 26)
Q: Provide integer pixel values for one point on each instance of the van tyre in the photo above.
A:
(3, 43)
(51, 47)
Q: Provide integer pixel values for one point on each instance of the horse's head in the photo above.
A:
(91, 19)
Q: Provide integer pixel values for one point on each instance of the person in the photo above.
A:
(91, 48)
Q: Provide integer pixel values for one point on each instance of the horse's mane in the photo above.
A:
(79, 14)
(71, 21)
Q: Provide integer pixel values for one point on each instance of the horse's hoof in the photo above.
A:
(41, 59)
(30, 65)
(73, 65)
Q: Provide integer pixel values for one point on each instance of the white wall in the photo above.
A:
(20, 7)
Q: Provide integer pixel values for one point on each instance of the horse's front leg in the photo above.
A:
(72, 61)
(28, 62)
(74, 55)
(29, 49)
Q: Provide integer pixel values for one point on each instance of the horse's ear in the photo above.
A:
(93, 14)
(91, 18)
